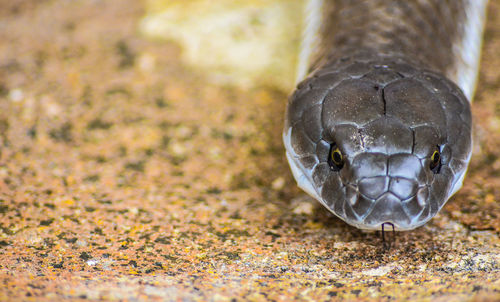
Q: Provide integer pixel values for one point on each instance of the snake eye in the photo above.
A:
(435, 165)
(335, 159)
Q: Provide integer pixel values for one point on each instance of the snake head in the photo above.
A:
(378, 142)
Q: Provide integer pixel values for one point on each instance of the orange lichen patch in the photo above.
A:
(124, 175)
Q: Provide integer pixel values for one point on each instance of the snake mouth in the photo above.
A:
(382, 188)
(401, 204)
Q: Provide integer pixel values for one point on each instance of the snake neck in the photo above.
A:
(436, 35)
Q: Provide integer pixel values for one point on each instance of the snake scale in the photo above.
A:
(379, 128)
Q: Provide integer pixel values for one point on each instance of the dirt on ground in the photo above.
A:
(125, 175)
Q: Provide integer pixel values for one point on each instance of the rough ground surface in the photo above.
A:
(126, 176)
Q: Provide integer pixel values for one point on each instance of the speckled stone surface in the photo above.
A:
(126, 176)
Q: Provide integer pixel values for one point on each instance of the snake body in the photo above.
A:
(379, 129)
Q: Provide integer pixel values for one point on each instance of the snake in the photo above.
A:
(379, 128)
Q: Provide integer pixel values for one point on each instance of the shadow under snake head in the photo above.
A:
(378, 141)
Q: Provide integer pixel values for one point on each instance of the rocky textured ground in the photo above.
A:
(125, 175)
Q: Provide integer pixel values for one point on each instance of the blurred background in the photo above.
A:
(141, 158)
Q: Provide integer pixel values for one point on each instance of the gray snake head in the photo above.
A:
(378, 141)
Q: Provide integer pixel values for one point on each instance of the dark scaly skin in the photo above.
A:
(421, 31)
(387, 107)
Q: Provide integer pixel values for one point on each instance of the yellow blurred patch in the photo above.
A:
(240, 42)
